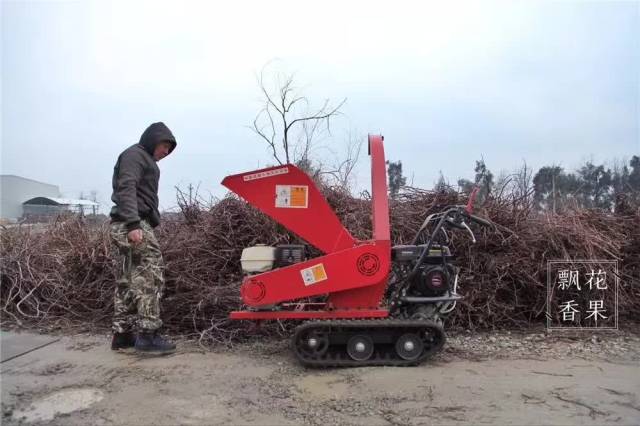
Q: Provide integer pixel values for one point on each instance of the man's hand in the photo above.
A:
(135, 236)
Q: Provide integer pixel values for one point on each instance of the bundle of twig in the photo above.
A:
(63, 276)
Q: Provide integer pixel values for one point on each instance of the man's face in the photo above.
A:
(161, 151)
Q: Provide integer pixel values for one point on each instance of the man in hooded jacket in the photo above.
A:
(140, 281)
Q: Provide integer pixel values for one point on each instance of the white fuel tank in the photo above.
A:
(258, 258)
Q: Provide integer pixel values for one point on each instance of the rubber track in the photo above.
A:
(346, 361)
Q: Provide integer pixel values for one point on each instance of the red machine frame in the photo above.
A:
(352, 273)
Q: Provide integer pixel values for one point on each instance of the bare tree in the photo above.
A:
(517, 186)
(524, 183)
(287, 122)
(341, 170)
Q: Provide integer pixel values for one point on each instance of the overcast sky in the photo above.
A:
(445, 83)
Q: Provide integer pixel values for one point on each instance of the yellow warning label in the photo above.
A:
(299, 196)
(313, 274)
(318, 273)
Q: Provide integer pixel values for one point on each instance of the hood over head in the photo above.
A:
(154, 134)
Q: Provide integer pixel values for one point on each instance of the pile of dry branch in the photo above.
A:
(61, 275)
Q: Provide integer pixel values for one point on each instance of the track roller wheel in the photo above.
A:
(360, 347)
(314, 344)
(409, 346)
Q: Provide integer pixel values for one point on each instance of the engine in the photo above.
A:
(435, 275)
(262, 258)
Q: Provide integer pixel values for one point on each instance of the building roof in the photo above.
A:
(30, 180)
(52, 201)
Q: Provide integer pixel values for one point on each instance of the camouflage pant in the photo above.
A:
(139, 281)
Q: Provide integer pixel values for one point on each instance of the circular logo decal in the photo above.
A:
(368, 264)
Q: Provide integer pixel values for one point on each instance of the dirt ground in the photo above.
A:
(503, 378)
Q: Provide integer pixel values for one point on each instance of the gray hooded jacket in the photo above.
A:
(135, 179)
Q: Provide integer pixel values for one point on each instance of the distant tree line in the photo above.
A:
(591, 186)
(551, 188)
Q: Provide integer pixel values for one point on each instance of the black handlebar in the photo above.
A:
(454, 224)
(480, 220)
(452, 216)
(458, 217)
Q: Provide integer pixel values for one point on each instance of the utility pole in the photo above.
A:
(553, 191)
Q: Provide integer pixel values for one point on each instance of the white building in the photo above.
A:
(15, 190)
(26, 197)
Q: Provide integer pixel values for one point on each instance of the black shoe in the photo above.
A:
(151, 342)
(123, 341)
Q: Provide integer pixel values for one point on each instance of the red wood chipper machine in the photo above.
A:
(381, 305)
